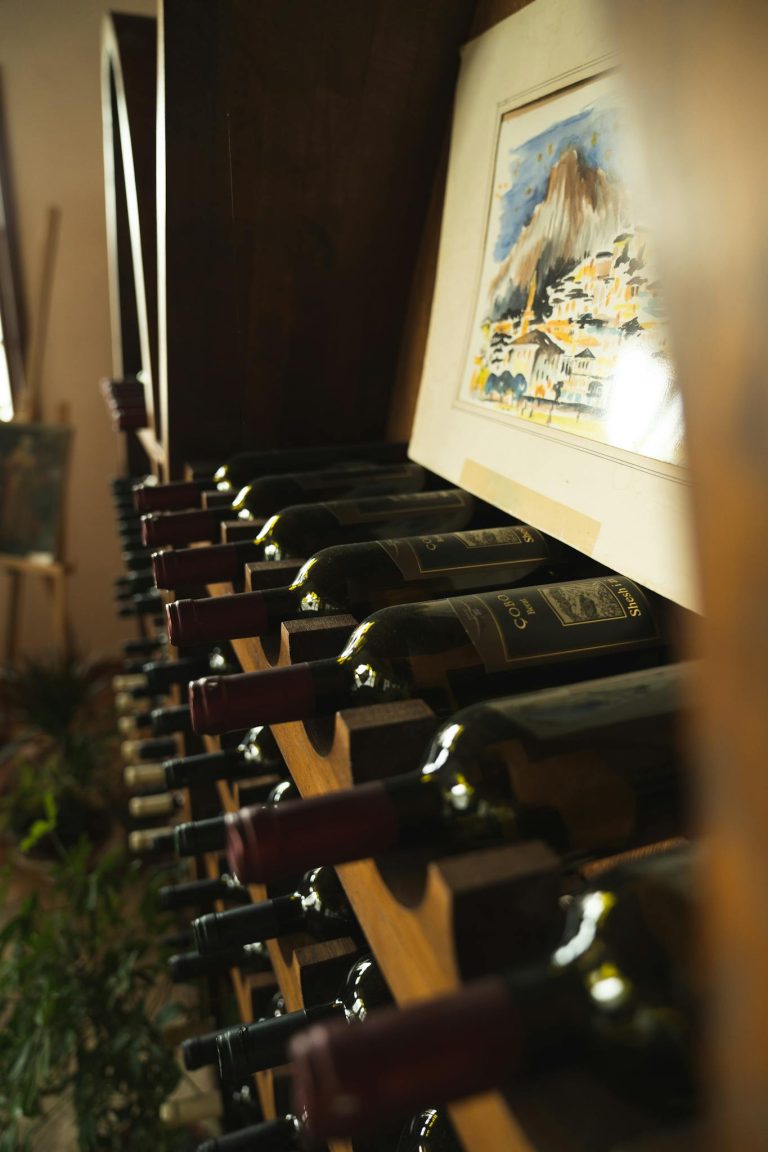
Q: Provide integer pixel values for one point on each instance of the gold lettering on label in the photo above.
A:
(512, 610)
(633, 607)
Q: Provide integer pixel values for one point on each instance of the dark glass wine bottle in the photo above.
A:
(255, 755)
(589, 768)
(185, 967)
(266, 496)
(302, 529)
(257, 1047)
(153, 748)
(318, 907)
(203, 893)
(162, 804)
(453, 652)
(361, 578)
(618, 993)
(246, 466)
(280, 1135)
(158, 676)
(149, 496)
(428, 1131)
(196, 837)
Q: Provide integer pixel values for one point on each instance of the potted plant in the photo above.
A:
(79, 1023)
(58, 760)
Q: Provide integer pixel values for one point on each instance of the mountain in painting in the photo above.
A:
(581, 213)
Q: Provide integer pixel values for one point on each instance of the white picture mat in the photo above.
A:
(628, 511)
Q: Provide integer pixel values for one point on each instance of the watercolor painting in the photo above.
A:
(569, 329)
(33, 468)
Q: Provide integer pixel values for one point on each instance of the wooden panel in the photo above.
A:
(408, 376)
(700, 82)
(300, 145)
(128, 64)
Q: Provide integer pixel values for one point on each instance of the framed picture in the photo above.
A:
(33, 470)
(548, 386)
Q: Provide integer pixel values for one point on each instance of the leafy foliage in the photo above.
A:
(78, 977)
(57, 757)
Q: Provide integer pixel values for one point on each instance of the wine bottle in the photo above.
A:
(159, 804)
(175, 529)
(196, 837)
(266, 496)
(363, 577)
(246, 466)
(186, 967)
(452, 652)
(151, 841)
(318, 907)
(154, 748)
(149, 496)
(143, 604)
(617, 993)
(257, 1047)
(159, 676)
(201, 1051)
(301, 529)
(428, 1131)
(255, 755)
(280, 1135)
(145, 646)
(589, 768)
(203, 893)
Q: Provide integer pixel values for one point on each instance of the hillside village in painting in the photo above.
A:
(570, 322)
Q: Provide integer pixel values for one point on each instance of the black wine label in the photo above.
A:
(528, 625)
(419, 557)
(371, 509)
(328, 481)
(634, 696)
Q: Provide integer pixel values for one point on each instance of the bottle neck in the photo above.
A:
(264, 1045)
(282, 1135)
(296, 692)
(268, 920)
(189, 771)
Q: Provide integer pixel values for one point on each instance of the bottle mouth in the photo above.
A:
(225, 703)
(192, 566)
(349, 1081)
(274, 841)
(218, 618)
(179, 528)
(166, 497)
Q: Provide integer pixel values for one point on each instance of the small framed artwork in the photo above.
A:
(548, 385)
(33, 470)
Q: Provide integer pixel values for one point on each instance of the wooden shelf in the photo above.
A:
(432, 923)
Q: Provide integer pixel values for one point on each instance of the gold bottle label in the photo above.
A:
(530, 625)
(421, 557)
(403, 507)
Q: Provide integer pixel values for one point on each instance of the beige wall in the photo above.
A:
(50, 69)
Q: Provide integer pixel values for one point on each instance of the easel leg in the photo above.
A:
(58, 589)
(13, 616)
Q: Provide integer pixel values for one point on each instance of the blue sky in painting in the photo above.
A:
(595, 132)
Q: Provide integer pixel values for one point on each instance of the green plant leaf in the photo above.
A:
(41, 828)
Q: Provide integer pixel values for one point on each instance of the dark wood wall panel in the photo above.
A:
(129, 79)
(301, 147)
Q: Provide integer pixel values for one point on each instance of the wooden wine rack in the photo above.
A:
(430, 923)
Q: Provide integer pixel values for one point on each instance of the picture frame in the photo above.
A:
(548, 387)
(34, 464)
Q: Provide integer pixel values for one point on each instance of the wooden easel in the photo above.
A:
(28, 410)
